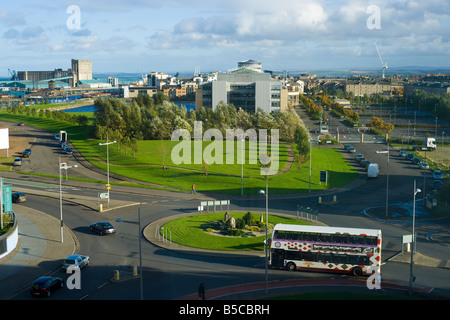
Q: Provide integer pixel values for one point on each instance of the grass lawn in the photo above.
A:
(225, 178)
(221, 178)
(188, 231)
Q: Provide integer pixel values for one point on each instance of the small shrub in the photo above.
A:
(248, 218)
(252, 228)
(235, 232)
(240, 224)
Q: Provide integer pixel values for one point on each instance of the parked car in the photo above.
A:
(102, 228)
(18, 161)
(423, 165)
(351, 150)
(68, 150)
(76, 260)
(436, 184)
(44, 286)
(64, 146)
(437, 175)
(365, 164)
(402, 153)
(359, 156)
(19, 197)
(20, 124)
(346, 146)
(409, 156)
(26, 153)
(416, 160)
(56, 136)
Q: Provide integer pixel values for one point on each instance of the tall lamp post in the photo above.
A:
(266, 242)
(62, 166)
(387, 179)
(413, 243)
(107, 161)
(242, 165)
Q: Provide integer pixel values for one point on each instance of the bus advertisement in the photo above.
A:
(317, 248)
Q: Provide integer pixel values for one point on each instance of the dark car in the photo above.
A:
(409, 156)
(20, 124)
(26, 153)
(19, 197)
(436, 185)
(44, 286)
(416, 160)
(102, 228)
(68, 150)
(365, 164)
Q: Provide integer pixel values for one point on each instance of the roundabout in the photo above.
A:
(187, 235)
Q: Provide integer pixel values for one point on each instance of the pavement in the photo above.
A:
(40, 251)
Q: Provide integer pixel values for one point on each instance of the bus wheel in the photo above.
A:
(357, 271)
(291, 266)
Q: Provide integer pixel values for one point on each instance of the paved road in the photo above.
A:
(170, 274)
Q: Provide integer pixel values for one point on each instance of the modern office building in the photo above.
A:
(246, 87)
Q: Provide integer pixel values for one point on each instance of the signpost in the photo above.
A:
(324, 177)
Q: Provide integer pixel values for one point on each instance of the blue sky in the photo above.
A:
(179, 36)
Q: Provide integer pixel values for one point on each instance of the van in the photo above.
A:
(373, 170)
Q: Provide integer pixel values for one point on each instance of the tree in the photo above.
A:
(82, 120)
(301, 139)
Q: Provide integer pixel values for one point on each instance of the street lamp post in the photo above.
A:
(65, 167)
(413, 243)
(267, 226)
(107, 160)
(242, 166)
(387, 179)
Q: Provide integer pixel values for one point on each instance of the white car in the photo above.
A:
(76, 260)
(423, 165)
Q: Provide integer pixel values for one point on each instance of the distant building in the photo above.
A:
(369, 88)
(437, 88)
(157, 79)
(133, 92)
(114, 82)
(81, 70)
(246, 87)
(37, 76)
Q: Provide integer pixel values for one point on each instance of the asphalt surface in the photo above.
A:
(40, 247)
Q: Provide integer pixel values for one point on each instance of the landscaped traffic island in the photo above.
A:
(234, 231)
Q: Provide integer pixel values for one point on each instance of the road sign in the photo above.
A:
(323, 176)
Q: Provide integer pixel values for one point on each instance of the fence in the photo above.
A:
(307, 213)
(8, 241)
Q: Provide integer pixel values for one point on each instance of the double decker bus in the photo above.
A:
(318, 248)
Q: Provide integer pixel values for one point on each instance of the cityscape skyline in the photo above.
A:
(175, 36)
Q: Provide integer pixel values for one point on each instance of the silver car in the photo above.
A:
(76, 260)
(18, 161)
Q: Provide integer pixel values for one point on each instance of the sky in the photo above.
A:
(171, 36)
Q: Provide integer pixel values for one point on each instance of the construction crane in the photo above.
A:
(383, 64)
(13, 74)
